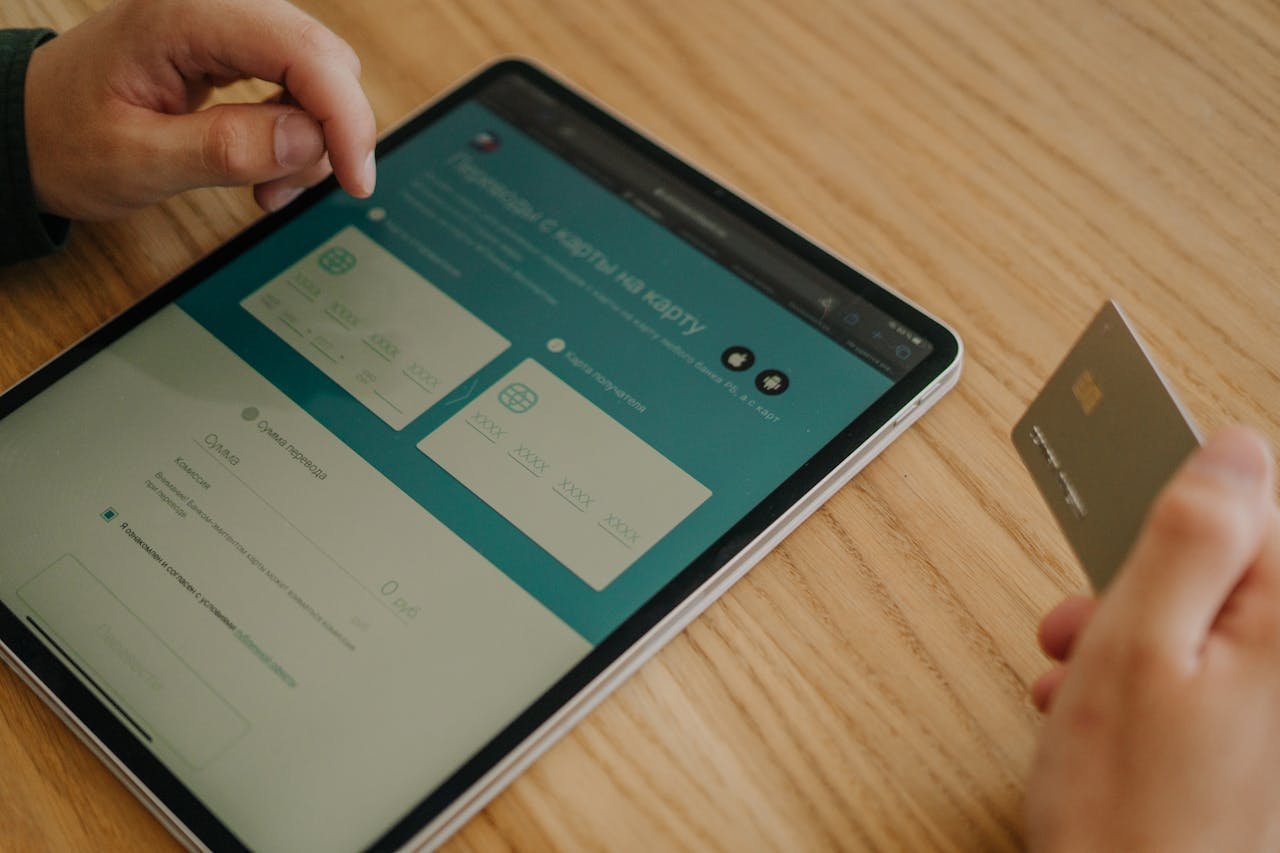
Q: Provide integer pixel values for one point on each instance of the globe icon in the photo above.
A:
(337, 260)
(518, 397)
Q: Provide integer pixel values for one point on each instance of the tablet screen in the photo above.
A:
(322, 527)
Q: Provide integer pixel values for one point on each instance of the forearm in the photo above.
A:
(24, 231)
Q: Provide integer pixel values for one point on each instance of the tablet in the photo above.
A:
(321, 543)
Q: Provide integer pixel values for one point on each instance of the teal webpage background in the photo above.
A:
(717, 437)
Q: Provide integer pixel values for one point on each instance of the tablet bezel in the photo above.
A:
(475, 782)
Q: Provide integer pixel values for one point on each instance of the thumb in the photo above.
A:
(235, 144)
(1204, 531)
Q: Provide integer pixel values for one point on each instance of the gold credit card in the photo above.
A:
(1101, 439)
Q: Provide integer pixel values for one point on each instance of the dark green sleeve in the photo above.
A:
(24, 231)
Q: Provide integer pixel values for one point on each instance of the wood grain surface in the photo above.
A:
(1008, 165)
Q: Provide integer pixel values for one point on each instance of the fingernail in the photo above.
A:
(1235, 455)
(283, 197)
(298, 140)
(370, 174)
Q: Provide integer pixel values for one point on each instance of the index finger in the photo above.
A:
(1062, 625)
(272, 40)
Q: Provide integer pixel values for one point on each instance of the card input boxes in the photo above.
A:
(384, 333)
(578, 483)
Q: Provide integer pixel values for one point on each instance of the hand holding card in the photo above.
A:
(1175, 667)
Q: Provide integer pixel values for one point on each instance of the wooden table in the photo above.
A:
(1007, 164)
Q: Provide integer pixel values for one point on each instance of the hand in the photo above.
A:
(1163, 731)
(112, 119)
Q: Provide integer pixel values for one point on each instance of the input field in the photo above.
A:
(384, 333)
(154, 687)
(569, 476)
